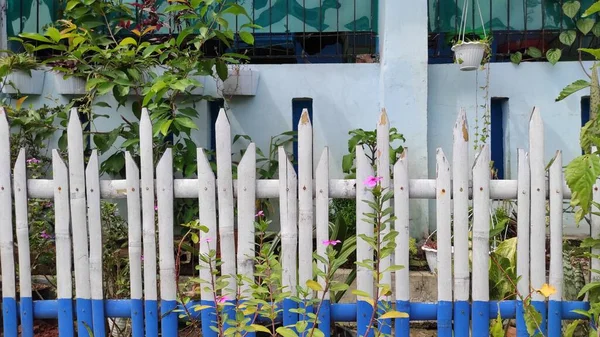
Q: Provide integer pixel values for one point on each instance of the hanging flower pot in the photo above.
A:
(71, 85)
(468, 55)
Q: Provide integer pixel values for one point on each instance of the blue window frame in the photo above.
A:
(497, 110)
(298, 105)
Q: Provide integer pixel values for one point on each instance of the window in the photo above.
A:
(298, 105)
(497, 109)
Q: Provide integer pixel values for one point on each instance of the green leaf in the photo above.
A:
(592, 51)
(176, 8)
(314, 285)
(588, 287)
(497, 329)
(186, 122)
(53, 33)
(516, 58)
(593, 9)
(235, 9)
(222, 70)
(571, 8)
(247, 37)
(260, 328)
(286, 332)
(596, 29)
(71, 4)
(567, 37)
(553, 55)
(580, 175)
(394, 314)
(36, 37)
(164, 128)
(571, 328)
(534, 52)
(128, 41)
(572, 88)
(585, 25)
(201, 307)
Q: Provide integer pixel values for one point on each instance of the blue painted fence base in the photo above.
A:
(554, 319)
(364, 312)
(26, 310)
(403, 324)
(325, 318)
(541, 308)
(169, 318)
(9, 316)
(137, 318)
(208, 318)
(151, 313)
(462, 315)
(444, 319)
(481, 319)
(521, 325)
(84, 316)
(289, 317)
(98, 318)
(65, 317)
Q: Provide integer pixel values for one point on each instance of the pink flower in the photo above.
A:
(372, 181)
(33, 161)
(45, 235)
(260, 214)
(142, 257)
(221, 299)
(331, 242)
(156, 207)
(206, 240)
(48, 204)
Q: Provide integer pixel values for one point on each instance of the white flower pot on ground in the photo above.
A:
(468, 55)
(20, 82)
(431, 256)
(69, 86)
(118, 327)
(240, 82)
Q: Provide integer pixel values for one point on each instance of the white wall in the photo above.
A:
(526, 85)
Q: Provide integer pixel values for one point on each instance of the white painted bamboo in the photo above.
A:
(523, 204)
(166, 249)
(7, 256)
(134, 227)
(269, 188)
(246, 212)
(402, 225)
(538, 202)
(594, 230)
(207, 217)
(78, 207)
(92, 180)
(305, 199)
(460, 193)
(148, 213)
(481, 226)
(444, 216)
(288, 208)
(364, 252)
(225, 198)
(556, 227)
(383, 171)
(322, 211)
(62, 232)
(22, 222)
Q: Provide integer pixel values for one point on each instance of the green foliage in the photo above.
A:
(17, 62)
(368, 141)
(580, 175)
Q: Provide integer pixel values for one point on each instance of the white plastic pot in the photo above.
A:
(20, 82)
(69, 86)
(240, 82)
(118, 327)
(468, 55)
(431, 256)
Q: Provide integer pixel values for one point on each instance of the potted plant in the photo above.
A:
(21, 75)
(469, 55)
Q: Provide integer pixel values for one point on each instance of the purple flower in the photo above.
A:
(260, 214)
(221, 299)
(331, 242)
(142, 257)
(156, 207)
(372, 181)
(49, 204)
(33, 161)
(209, 239)
(45, 235)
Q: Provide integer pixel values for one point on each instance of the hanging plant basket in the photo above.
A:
(468, 55)
(21, 82)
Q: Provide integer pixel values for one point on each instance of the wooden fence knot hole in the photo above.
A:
(443, 190)
(206, 188)
(481, 188)
(304, 188)
(60, 188)
(538, 189)
(461, 189)
(595, 188)
(401, 188)
(147, 188)
(133, 189)
(76, 190)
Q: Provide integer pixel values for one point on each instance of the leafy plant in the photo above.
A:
(18, 62)
(368, 141)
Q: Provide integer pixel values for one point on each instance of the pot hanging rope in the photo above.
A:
(469, 54)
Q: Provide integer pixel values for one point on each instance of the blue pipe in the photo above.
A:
(345, 312)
